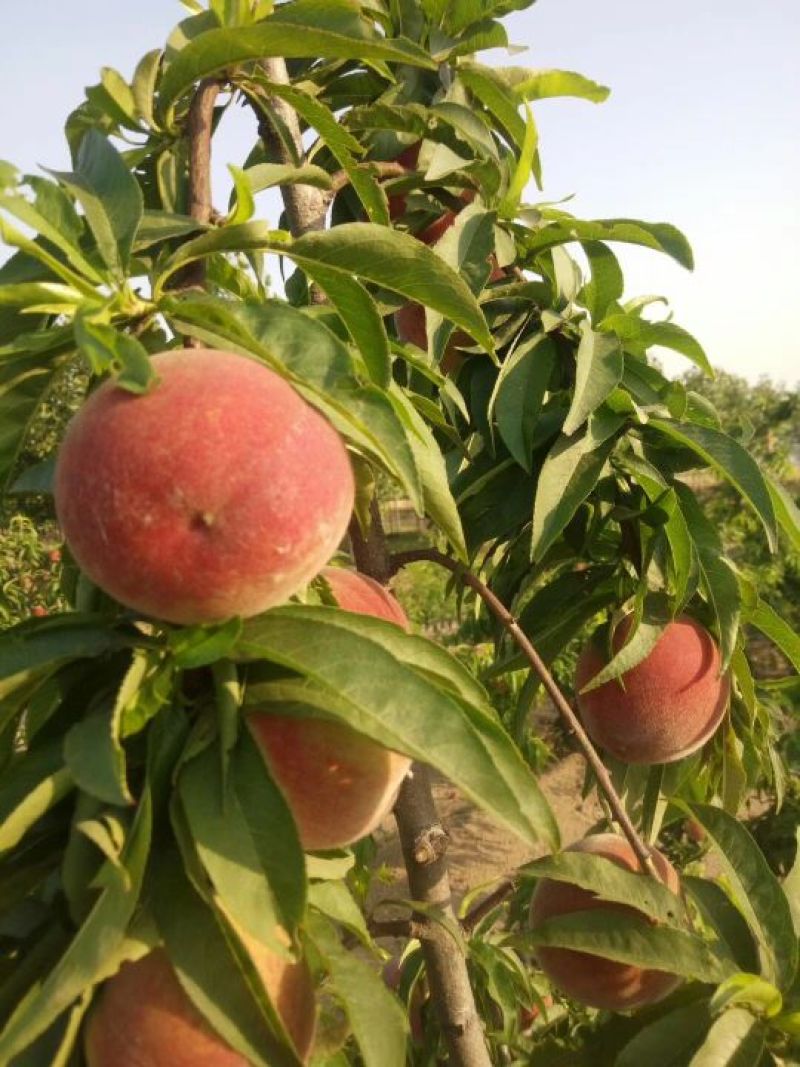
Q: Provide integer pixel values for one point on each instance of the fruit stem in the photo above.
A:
(504, 616)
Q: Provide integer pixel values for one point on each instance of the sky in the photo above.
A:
(700, 130)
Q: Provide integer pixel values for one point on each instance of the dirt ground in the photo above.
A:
(479, 851)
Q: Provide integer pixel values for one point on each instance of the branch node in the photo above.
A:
(430, 845)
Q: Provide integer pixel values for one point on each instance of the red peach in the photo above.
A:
(144, 1017)
(338, 783)
(220, 492)
(590, 979)
(665, 707)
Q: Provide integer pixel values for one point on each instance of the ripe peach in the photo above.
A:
(220, 492)
(590, 979)
(145, 1019)
(338, 783)
(664, 708)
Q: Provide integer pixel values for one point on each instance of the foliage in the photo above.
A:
(550, 456)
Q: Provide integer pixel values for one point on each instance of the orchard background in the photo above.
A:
(524, 472)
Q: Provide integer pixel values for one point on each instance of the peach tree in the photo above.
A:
(194, 754)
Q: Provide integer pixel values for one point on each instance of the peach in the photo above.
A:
(220, 492)
(665, 707)
(591, 979)
(145, 1019)
(338, 783)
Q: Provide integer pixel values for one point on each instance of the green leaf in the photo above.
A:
(245, 204)
(509, 205)
(438, 502)
(359, 312)
(106, 348)
(199, 646)
(599, 371)
(632, 328)
(95, 758)
(791, 886)
(217, 50)
(110, 197)
(608, 881)
(749, 991)
(51, 298)
(569, 474)
(626, 939)
(669, 1040)
(209, 965)
(607, 282)
(720, 581)
(732, 461)
(268, 175)
(31, 645)
(86, 960)
(251, 236)
(638, 645)
(354, 674)
(736, 1039)
(519, 394)
(558, 227)
(143, 85)
(56, 229)
(769, 622)
(335, 900)
(31, 785)
(399, 262)
(786, 512)
(25, 382)
(544, 84)
(719, 911)
(755, 891)
(497, 96)
(157, 226)
(241, 849)
(676, 528)
(378, 1022)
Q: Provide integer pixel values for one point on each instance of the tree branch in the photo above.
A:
(199, 129)
(306, 206)
(445, 964)
(505, 617)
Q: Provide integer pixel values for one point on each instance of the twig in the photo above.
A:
(388, 169)
(402, 928)
(488, 904)
(505, 617)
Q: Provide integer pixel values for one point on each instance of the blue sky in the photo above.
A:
(701, 130)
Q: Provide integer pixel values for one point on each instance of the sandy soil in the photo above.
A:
(480, 852)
